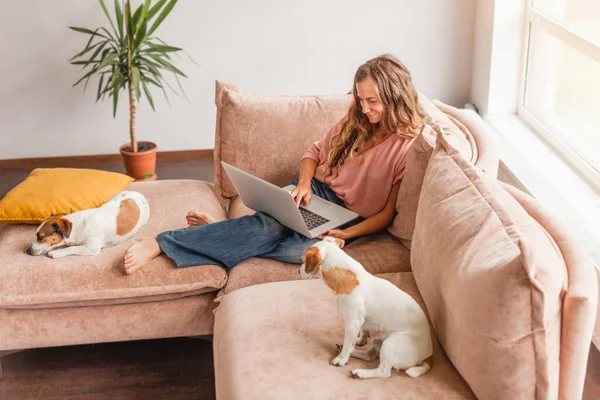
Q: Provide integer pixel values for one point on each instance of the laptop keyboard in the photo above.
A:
(312, 220)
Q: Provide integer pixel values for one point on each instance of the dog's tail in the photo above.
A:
(419, 370)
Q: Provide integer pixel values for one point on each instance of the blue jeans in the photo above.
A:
(226, 243)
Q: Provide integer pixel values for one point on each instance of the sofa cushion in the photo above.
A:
(410, 188)
(275, 341)
(492, 279)
(267, 136)
(417, 158)
(30, 282)
(378, 253)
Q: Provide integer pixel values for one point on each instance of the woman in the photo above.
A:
(359, 164)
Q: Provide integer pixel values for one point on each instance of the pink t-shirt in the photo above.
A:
(364, 187)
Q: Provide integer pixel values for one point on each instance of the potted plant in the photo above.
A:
(128, 57)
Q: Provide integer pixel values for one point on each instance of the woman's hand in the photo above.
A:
(335, 233)
(302, 194)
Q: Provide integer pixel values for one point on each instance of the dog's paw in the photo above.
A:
(357, 373)
(55, 254)
(339, 361)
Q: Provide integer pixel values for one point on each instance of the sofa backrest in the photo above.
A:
(579, 304)
(487, 158)
(267, 135)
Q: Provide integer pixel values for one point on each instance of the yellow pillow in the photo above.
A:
(48, 191)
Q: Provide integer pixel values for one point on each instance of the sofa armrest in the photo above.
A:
(580, 301)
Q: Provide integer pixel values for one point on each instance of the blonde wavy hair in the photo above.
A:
(400, 98)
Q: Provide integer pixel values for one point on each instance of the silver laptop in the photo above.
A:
(310, 220)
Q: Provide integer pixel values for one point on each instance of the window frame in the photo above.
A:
(534, 20)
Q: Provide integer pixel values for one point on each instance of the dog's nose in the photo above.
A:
(29, 251)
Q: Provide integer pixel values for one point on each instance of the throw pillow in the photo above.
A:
(492, 279)
(417, 158)
(48, 191)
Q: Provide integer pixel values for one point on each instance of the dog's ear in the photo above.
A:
(340, 243)
(63, 226)
(312, 260)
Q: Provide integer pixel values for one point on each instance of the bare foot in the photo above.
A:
(197, 218)
(140, 254)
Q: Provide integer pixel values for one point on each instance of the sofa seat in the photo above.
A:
(41, 282)
(378, 253)
(275, 341)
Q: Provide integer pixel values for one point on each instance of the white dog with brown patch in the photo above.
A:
(85, 232)
(371, 304)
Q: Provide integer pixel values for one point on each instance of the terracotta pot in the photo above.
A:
(139, 165)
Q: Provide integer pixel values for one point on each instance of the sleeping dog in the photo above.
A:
(86, 232)
(369, 303)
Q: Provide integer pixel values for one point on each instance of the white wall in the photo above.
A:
(264, 46)
(497, 55)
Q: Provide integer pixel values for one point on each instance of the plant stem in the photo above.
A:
(132, 99)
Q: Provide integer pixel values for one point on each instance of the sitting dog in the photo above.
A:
(86, 232)
(369, 303)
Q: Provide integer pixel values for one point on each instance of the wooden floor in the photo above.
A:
(173, 369)
(158, 369)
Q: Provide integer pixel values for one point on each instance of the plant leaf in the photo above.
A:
(107, 60)
(129, 19)
(157, 48)
(87, 46)
(115, 92)
(92, 59)
(87, 75)
(84, 30)
(136, 19)
(108, 15)
(101, 81)
(147, 92)
(119, 15)
(156, 8)
(161, 17)
(140, 36)
(87, 49)
(144, 17)
(168, 65)
(181, 88)
(110, 36)
(98, 50)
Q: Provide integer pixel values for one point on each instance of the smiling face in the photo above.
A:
(50, 235)
(370, 102)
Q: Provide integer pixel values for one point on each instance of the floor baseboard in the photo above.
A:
(71, 161)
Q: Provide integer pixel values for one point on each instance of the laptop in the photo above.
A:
(310, 220)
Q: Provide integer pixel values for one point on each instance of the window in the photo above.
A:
(561, 80)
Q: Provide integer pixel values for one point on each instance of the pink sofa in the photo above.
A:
(268, 334)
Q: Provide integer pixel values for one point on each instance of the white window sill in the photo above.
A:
(528, 162)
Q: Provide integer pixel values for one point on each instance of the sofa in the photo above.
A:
(274, 333)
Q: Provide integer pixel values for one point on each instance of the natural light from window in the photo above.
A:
(562, 81)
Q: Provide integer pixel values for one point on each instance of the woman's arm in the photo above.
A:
(374, 223)
(302, 192)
